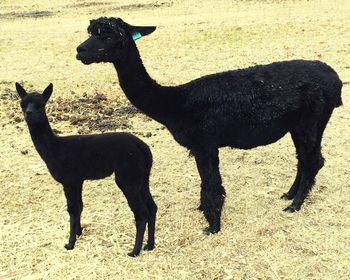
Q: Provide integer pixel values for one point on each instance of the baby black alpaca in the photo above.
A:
(241, 108)
(73, 159)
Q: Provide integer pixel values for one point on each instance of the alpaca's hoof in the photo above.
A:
(133, 254)
(287, 196)
(148, 247)
(210, 230)
(291, 209)
(69, 246)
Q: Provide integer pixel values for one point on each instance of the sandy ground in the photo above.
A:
(258, 240)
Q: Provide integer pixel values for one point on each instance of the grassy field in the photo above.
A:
(258, 240)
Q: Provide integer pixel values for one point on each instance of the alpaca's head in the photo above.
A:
(33, 105)
(109, 40)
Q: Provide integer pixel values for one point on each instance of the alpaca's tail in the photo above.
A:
(143, 147)
(337, 98)
(334, 95)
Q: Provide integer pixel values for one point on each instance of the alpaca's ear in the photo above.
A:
(21, 91)
(138, 31)
(47, 92)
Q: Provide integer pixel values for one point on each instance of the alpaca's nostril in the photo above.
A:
(80, 49)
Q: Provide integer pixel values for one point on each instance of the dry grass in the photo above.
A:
(258, 241)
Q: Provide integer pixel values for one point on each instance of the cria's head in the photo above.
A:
(109, 40)
(33, 104)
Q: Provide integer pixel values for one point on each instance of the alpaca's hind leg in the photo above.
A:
(311, 164)
(73, 193)
(140, 211)
(78, 224)
(307, 140)
(307, 137)
(131, 191)
(295, 186)
(212, 191)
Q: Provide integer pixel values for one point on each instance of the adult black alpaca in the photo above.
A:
(241, 108)
(73, 159)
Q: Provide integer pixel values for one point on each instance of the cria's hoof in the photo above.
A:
(287, 196)
(148, 247)
(209, 230)
(291, 209)
(69, 246)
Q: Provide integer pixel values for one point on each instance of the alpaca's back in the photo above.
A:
(258, 105)
(277, 84)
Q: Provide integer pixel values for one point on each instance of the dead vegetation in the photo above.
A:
(90, 113)
(258, 240)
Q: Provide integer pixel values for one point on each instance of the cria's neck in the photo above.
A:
(43, 138)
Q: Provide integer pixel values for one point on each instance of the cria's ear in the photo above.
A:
(138, 31)
(47, 92)
(21, 91)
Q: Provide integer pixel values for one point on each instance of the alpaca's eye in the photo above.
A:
(104, 37)
(39, 106)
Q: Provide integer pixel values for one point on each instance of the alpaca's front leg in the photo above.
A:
(212, 191)
(72, 233)
(78, 226)
(74, 207)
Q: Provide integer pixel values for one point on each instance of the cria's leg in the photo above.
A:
(152, 211)
(137, 205)
(78, 224)
(140, 213)
(212, 191)
(73, 193)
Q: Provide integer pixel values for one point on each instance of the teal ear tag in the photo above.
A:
(136, 35)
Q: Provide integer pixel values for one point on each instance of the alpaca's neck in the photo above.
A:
(43, 138)
(156, 101)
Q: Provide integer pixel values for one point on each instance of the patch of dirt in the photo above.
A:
(144, 6)
(34, 14)
(92, 113)
(127, 7)
(88, 4)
